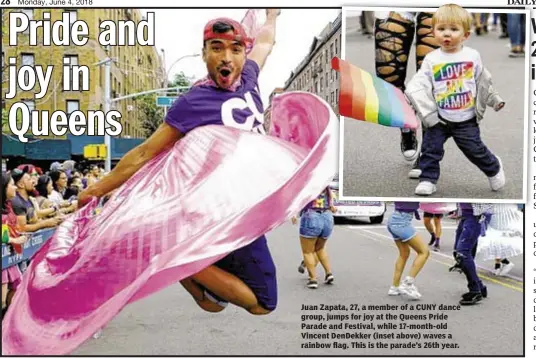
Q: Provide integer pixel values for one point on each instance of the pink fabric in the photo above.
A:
(438, 208)
(216, 190)
(12, 275)
(252, 24)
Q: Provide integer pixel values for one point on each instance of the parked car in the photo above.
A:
(352, 209)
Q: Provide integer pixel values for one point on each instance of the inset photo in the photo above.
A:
(433, 103)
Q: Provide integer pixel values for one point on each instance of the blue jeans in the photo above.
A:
(400, 226)
(467, 234)
(516, 29)
(315, 224)
(466, 135)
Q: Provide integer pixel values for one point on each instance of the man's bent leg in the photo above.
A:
(245, 277)
(198, 293)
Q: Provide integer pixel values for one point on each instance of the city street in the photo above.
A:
(372, 161)
(362, 257)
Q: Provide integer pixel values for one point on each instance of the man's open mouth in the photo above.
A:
(225, 72)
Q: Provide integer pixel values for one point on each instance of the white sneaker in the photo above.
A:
(410, 155)
(393, 291)
(505, 269)
(498, 181)
(425, 188)
(497, 272)
(415, 171)
(408, 288)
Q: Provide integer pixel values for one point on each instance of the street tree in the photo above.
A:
(151, 114)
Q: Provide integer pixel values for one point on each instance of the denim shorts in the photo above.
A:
(314, 224)
(399, 225)
(254, 265)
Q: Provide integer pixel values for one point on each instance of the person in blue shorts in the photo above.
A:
(316, 226)
(401, 228)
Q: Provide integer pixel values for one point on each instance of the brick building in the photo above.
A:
(314, 73)
(137, 68)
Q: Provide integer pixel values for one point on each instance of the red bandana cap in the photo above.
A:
(239, 34)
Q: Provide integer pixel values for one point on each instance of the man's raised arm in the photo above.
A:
(164, 137)
(265, 39)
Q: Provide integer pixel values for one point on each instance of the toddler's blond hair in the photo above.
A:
(453, 14)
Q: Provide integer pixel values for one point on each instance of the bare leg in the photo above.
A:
(225, 285)
(4, 295)
(393, 39)
(429, 225)
(403, 254)
(198, 294)
(417, 244)
(437, 225)
(425, 42)
(320, 249)
(309, 257)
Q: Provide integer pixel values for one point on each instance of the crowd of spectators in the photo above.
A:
(33, 200)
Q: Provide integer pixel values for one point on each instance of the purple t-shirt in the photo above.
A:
(407, 207)
(204, 105)
(322, 202)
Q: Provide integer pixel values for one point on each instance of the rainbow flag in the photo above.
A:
(371, 99)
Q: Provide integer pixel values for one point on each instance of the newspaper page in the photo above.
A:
(324, 179)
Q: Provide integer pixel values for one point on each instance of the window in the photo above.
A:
(327, 82)
(72, 105)
(331, 50)
(73, 61)
(336, 46)
(73, 16)
(29, 13)
(30, 103)
(321, 83)
(28, 59)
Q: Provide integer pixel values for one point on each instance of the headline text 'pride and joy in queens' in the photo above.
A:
(75, 78)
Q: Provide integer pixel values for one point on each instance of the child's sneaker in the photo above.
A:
(498, 181)
(432, 239)
(436, 245)
(393, 291)
(312, 284)
(408, 288)
(415, 171)
(425, 188)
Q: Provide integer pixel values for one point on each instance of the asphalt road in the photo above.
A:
(362, 256)
(373, 165)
